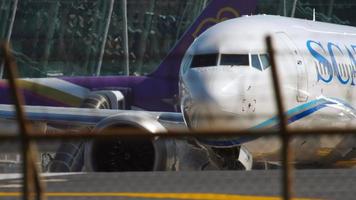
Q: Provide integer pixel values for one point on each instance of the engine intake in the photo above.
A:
(128, 154)
(120, 155)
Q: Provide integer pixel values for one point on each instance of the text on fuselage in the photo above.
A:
(334, 61)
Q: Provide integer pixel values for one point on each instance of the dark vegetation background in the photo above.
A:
(65, 37)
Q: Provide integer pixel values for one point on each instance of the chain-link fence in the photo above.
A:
(281, 149)
(32, 181)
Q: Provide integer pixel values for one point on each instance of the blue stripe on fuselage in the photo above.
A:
(293, 115)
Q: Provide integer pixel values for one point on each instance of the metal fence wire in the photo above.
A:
(34, 188)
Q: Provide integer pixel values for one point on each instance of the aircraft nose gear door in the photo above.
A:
(302, 78)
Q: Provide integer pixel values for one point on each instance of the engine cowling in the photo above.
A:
(70, 155)
(129, 154)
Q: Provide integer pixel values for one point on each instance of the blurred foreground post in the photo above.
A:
(31, 179)
(285, 154)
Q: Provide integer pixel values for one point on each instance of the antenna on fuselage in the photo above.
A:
(313, 14)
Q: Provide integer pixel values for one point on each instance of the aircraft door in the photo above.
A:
(302, 78)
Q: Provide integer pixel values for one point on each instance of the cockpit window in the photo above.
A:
(265, 61)
(204, 60)
(235, 59)
(256, 62)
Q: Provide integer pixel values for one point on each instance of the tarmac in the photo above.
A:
(201, 185)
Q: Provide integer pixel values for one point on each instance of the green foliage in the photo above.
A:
(65, 37)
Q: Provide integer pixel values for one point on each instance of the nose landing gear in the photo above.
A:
(234, 158)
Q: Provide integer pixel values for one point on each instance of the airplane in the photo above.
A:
(157, 91)
(224, 82)
(225, 76)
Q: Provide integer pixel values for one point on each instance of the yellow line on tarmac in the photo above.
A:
(186, 196)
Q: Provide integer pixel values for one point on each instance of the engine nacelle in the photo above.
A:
(108, 99)
(129, 154)
(69, 156)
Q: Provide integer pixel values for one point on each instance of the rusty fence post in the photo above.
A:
(31, 179)
(284, 135)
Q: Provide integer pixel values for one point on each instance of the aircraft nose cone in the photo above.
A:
(198, 86)
(218, 87)
(214, 97)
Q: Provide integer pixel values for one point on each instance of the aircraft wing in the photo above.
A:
(152, 121)
(103, 155)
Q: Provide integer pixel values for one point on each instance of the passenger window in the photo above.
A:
(204, 60)
(235, 59)
(265, 61)
(255, 61)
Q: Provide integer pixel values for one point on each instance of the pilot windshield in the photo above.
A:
(260, 61)
(235, 59)
(265, 61)
(205, 60)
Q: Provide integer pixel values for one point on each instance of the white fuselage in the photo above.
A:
(226, 79)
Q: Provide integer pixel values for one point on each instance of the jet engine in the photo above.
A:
(129, 154)
(144, 154)
(70, 155)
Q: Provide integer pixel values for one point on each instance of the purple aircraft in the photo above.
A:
(157, 91)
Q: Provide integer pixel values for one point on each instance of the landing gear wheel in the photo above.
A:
(234, 158)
